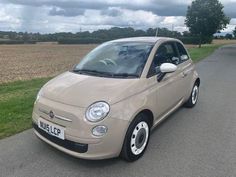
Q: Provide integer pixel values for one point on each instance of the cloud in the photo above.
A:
(159, 7)
(68, 12)
(230, 9)
(9, 21)
(71, 15)
(111, 11)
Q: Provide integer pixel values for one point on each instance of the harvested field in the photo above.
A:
(224, 41)
(24, 62)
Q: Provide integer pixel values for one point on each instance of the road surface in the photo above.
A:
(191, 143)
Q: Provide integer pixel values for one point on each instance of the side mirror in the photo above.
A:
(164, 69)
(184, 57)
(168, 68)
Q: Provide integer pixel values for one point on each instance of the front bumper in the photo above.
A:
(67, 144)
(79, 141)
(107, 147)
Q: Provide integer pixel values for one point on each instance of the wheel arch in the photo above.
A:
(198, 81)
(148, 113)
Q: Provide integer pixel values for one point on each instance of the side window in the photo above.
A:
(182, 52)
(166, 53)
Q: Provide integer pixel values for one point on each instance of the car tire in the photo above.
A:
(137, 138)
(192, 101)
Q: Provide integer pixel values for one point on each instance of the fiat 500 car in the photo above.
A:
(107, 104)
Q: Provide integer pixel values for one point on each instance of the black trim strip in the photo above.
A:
(70, 145)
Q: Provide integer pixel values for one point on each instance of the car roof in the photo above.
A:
(143, 39)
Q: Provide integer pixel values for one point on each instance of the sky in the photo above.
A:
(49, 16)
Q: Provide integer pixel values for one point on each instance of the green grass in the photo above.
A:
(17, 98)
(198, 54)
(16, 104)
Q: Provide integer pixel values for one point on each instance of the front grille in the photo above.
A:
(70, 145)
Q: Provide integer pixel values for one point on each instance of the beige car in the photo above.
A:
(106, 105)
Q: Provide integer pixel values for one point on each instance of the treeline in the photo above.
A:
(94, 37)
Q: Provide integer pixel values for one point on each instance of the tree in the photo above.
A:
(229, 36)
(234, 32)
(186, 34)
(206, 17)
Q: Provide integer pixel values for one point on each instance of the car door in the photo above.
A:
(168, 88)
(187, 68)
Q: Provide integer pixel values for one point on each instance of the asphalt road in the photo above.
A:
(191, 143)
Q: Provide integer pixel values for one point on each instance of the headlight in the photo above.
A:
(97, 111)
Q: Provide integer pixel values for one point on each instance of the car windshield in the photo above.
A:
(116, 59)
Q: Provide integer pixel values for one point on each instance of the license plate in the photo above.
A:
(52, 129)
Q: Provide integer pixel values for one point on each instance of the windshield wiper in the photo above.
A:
(92, 72)
(125, 75)
(101, 73)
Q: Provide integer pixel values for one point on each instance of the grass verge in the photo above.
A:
(17, 98)
(16, 104)
(198, 54)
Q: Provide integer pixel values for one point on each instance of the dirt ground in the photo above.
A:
(23, 62)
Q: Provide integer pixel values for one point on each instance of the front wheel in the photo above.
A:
(192, 101)
(136, 139)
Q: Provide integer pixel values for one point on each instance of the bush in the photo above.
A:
(31, 42)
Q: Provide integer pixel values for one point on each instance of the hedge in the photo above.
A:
(16, 42)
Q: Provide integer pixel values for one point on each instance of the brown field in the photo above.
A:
(224, 41)
(23, 62)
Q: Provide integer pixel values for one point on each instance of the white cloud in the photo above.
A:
(8, 20)
(70, 15)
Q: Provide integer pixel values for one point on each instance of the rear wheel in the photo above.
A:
(192, 101)
(136, 139)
